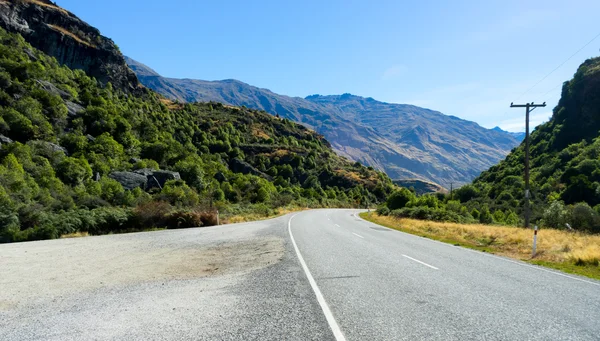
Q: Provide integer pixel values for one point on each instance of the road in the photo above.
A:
(314, 275)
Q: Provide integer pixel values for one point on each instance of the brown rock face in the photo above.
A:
(61, 34)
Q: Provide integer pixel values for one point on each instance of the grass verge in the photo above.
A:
(571, 252)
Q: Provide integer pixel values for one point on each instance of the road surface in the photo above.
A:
(314, 275)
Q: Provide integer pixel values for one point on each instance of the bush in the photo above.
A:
(183, 219)
(556, 215)
(399, 199)
(585, 218)
(383, 210)
(486, 217)
(151, 214)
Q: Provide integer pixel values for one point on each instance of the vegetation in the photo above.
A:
(70, 133)
(565, 172)
(572, 252)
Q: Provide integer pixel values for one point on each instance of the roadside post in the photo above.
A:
(535, 231)
(218, 218)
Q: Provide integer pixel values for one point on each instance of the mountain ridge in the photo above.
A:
(429, 154)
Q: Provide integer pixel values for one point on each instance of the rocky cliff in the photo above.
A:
(61, 34)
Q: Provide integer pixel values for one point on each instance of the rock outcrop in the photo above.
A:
(157, 178)
(145, 179)
(129, 180)
(61, 34)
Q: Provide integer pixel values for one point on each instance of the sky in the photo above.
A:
(469, 59)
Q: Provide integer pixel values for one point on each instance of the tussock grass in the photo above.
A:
(72, 35)
(257, 216)
(573, 252)
(44, 4)
(75, 235)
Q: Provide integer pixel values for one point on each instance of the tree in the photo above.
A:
(399, 199)
(73, 171)
(485, 217)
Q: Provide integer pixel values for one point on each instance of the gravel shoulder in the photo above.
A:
(226, 282)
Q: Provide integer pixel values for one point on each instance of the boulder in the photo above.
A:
(47, 148)
(52, 89)
(73, 109)
(5, 140)
(157, 178)
(129, 180)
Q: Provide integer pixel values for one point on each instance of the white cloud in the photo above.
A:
(393, 72)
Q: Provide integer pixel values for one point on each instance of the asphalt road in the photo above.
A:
(315, 275)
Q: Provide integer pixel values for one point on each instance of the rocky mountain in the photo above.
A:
(62, 35)
(405, 141)
(520, 136)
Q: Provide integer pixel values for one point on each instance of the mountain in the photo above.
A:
(405, 141)
(565, 160)
(517, 136)
(421, 187)
(80, 155)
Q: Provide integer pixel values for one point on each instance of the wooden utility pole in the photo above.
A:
(529, 107)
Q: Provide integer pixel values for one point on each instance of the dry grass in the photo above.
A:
(171, 105)
(72, 35)
(558, 249)
(257, 132)
(43, 4)
(75, 235)
(255, 216)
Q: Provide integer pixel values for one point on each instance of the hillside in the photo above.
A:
(421, 187)
(405, 141)
(565, 158)
(80, 155)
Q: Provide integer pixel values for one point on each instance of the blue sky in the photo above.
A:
(464, 58)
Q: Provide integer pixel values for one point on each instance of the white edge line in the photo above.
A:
(335, 328)
(358, 235)
(537, 267)
(418, 261)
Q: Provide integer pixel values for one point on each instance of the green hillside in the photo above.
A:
(76, 155)
(565, 160)
(565, 172)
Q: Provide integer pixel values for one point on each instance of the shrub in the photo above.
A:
(383, 210)
(399, 199)
(556, 215)
(183, 219)
(585, 218)
(151, 214)
(485, 217)
(208, 218)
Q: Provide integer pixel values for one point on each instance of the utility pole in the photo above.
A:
(529, 107)
(451, 191)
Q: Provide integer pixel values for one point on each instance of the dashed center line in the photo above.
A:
(337, 225)
(418, 261)
(358, 235)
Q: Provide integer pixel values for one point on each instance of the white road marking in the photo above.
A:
(358, 235)
(335, 328)
(418, 261)
(337, 225)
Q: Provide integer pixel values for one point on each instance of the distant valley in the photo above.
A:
(405, 141)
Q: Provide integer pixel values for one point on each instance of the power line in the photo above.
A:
(558, 67)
